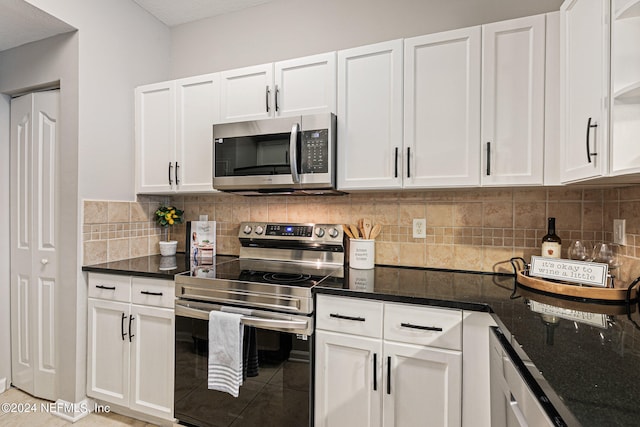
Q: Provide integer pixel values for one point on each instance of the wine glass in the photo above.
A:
(607, 253)
(578, 251)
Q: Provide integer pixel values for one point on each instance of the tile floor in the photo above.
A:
(39, 418)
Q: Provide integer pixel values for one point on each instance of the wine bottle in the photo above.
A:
(551, 243)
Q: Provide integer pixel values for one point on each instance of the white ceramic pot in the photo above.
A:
(168, 248)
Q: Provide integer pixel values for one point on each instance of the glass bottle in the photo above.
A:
(551, 243)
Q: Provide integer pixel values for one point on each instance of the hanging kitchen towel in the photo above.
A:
(250, 353)
(225, 352)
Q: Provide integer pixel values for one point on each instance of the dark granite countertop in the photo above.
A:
(594, 371)
(155, 266)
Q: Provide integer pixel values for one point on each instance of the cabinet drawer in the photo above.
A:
(156, 292)
(435, 327)
(349, 315)
(110, 287)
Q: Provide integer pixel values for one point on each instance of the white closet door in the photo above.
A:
(34, 209)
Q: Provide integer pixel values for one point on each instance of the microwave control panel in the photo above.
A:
(315, 151)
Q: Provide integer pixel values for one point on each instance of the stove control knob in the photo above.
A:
(333, 232)
(247, 229)
(319, 232)
(259, 229)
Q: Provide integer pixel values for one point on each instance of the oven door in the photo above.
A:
(276, 393)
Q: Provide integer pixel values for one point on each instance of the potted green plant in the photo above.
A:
(167, 217)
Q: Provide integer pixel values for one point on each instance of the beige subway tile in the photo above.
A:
(119, 211)
(440, 214)
(94, 252)
(468, 214)
(529, 214)
(388, 253)
(497, 214)
(568, 216)
(468, 258)
(118, 249)
(95, 212)
(139, 246)
(413, 254)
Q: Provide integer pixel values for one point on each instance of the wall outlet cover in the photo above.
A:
(620, 231)
(419, 228)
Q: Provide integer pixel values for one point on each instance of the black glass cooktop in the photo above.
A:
(271, 272)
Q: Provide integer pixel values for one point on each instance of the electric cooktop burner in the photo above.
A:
(284, 278)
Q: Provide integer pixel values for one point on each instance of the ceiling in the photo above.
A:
(22, 23)
(176, 12)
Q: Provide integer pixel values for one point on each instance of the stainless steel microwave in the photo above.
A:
(276, 156)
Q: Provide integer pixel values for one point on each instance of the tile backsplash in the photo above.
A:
(474, 229)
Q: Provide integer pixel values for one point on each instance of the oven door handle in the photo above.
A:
(258, 322)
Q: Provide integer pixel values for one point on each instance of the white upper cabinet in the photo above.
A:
(174, 134)
(294, 87)
(625, 84)
(197, 107)
(584, 74)
(155, 137)
(305, 85)
(370, 117)
(246, 93)
(513, 101)
(442, 109)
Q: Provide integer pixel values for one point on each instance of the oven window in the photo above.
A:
(276, 391)
(253, 155)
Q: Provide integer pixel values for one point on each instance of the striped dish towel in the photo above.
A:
(225, 352)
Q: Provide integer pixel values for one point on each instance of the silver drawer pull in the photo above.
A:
(423, 328)
(341, 316)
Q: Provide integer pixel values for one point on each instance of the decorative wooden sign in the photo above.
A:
(567, 270)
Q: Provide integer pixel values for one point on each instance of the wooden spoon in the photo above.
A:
(375, 231)
(366, 228)
(354, 231)
(347, 231)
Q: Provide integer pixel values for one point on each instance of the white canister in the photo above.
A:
(362, 253)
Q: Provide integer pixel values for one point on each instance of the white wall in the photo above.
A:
(5, 331)
(284, 29)
(121, 47)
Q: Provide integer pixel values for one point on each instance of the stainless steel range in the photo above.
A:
(271, 285)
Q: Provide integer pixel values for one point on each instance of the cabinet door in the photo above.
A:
(513, 74)
(246, 93)
(198, 107)
(442, 109)
(108, 352)
(152, 357)
(584, 38)
(348, 384)
(155, 138)
(305, 85)
(625, 83)
(422, 382)
(370, 117)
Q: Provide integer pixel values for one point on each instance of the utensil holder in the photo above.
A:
(362, 253)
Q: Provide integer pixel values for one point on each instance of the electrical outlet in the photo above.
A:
(619, 231)
(419, 228)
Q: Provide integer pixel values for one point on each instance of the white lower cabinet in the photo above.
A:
(131, 343)
(387, 364)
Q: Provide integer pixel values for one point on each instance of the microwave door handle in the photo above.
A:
(293, 153)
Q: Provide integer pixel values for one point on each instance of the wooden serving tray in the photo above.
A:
(576, 291)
